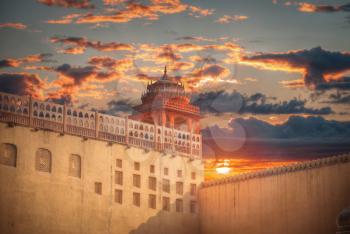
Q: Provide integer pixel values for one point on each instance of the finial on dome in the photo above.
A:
(165, 77)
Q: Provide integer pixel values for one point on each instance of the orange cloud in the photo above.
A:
(19, 26)
(12, 62)
(198, 12)
(228, 18)
(307, 7)
(131, 10)
(293, 84)
(64, 20)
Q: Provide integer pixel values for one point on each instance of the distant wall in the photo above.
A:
(299, 199)
(35, 202)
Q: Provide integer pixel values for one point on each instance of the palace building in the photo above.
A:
(78, 171)
(68, 170)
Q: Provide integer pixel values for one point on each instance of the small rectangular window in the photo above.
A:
(119, 177)
(151, 169)
(179, 188)
(193, 207)
(75, 165)
(8, 154)
(98, 187)
(136, 166)
(193, 175)
(136, 199)
(166, 171)
(118, 196)
(179, 173)
(166, 185)
(43, 160)
(152, 183)
(137, 180)
(166, 203)
(193, 189)
(119, 163)
(152, 202)
(179, 205)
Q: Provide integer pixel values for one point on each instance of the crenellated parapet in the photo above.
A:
(29, 112)
(295, 167)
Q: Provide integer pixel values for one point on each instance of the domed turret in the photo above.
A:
(166, 100)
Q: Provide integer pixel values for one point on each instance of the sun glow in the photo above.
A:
(223, 168)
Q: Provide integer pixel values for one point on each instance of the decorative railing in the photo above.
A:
(26, 111)
(294, 167)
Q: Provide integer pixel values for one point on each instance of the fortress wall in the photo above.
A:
(34, 202)
(299, 199)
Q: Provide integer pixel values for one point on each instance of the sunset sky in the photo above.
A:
(272, 78)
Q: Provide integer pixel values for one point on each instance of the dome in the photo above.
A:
(167, 88)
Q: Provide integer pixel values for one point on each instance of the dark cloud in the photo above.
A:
(317, 64)
(78, 45)
(116, 107)
(79, 75)
(223, 102)
(340, 84)
(297, 138)
(339, 98)
(21, 84)
(309, 7)
(81, 4)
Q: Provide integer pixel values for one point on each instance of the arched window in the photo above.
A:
(8, 154)
(75, 165)
(43, 160)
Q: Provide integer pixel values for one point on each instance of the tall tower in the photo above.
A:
(166, 103)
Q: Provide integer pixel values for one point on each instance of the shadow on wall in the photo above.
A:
(173, 222)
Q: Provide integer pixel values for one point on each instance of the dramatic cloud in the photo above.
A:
(64, 20)
(309, 7)
(198, 12)
(222, 102)
(207, 73)
(339, 98)
(297, 138)
(81, 4)
(74, 81)
(18, 26)
(228, 18)
(113, 2)
(78, 45)
(317, 64)
(117, 107)
(22, 84)
(342, 83)
(131, 10)
(12, 62)
(119, 65)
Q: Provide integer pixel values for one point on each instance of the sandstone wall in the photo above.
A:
(300, 199)
(34, 202)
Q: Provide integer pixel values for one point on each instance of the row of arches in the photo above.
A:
(48, 107)
(12, 100)
(141, 127)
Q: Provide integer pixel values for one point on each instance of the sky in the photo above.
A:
(271, 77)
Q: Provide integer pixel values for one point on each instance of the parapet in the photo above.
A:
(300, 166)
(29, 112)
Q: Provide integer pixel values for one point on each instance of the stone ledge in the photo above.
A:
(300, 166)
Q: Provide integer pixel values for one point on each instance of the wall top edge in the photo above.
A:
(300, 166)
